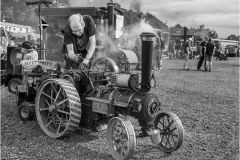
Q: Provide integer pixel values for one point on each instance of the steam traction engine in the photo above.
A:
(102, 94)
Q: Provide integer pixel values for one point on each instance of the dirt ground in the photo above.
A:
(206, 102)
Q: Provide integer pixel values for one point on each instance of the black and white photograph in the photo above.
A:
(119, 79)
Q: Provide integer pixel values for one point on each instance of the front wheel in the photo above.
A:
(13, 83)
(26, 111)
(171, 131)
(121, 138)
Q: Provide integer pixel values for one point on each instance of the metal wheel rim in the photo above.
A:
(114, 142)
(171, 131)
(60, 115)
(68, 77)
(24, 112)
(14, 86)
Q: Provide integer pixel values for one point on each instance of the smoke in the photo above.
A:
(136, 5)
(130, 40)
(202, 34)
(132, 35)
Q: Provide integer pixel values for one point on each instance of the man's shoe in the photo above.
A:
(198, 69)
(205, 70)
(209, 70)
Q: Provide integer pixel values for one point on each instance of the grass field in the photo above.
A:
(206, 102)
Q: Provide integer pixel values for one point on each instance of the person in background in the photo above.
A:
(187, 50)
(210, 49)
(225, 52)
(29, 53)
(158, 51)
(172, 49)
(202, 53)
(79, 39)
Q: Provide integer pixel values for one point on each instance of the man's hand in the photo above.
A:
(86, 61)
(73, 57)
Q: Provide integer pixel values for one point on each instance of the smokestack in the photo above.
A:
(185, 34)
(110, 16)
(147, 53)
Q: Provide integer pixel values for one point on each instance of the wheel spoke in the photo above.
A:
(43, 109)
(46, 95)
(173, 139)
(52, 99)
(168, 141)
(57, 94)
(53, 88)
(59, 103)
(47, 102)
(60, 119)
(173, 129)
(50, 122)
(64, 112)
(172, 134)
(162, 139)
(169, 124)
(59, 126)
(123, 151)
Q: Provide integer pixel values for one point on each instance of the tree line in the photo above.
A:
(16, 11)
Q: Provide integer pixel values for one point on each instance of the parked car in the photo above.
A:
(232, 49)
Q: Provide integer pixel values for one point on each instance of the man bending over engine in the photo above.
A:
(79, 38)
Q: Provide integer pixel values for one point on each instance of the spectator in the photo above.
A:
(29, 53)
(172, 49)
(210, 48)
(158, 50)
(187, 50)
(202, 54)
(225, 52)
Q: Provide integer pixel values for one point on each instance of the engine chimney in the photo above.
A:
(110, 18)
(147, 53)
(185, 34)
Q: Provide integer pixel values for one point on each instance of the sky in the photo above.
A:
(220, 15)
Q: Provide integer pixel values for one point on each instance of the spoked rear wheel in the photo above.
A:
(58, 107)
(171, 131)
(121, 138)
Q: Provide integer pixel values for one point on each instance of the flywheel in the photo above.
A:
(58, 107)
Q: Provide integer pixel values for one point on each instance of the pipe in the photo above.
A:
(110, 17)
(185, 34)
(147, 54)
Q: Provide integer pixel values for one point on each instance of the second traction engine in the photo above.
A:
(89, 98)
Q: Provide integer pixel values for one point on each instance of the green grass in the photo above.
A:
(206, 102)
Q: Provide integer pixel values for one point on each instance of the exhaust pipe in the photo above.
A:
(147, 54)
(110, 18)
(185, 34)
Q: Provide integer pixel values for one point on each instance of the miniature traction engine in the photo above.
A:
(102, 94)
